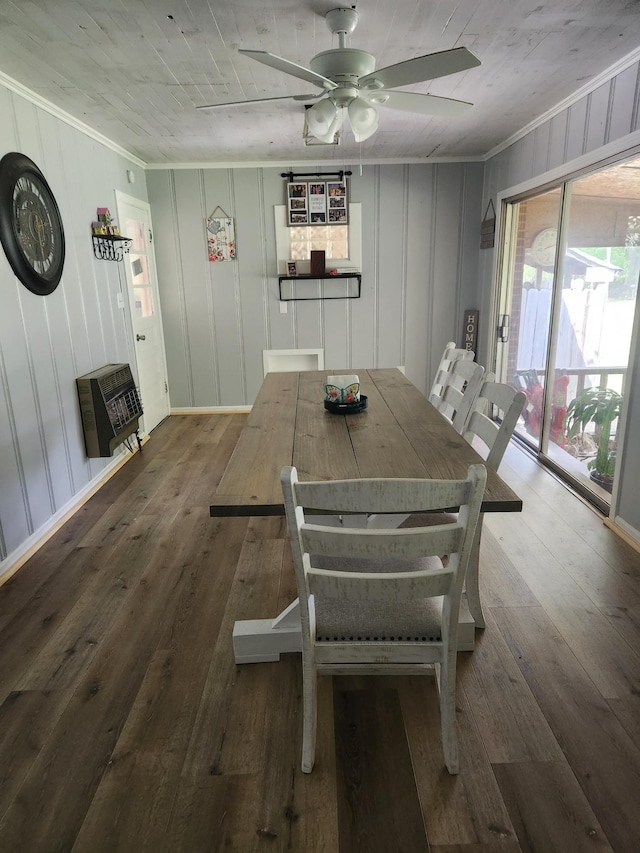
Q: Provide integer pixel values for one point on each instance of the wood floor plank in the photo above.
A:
(548, 809)
(72, 761)
(626, 710)
(372, 759)
(36, 713)
(505, 712)
(626, 621)
(501, 584)
(38, 623)
(234, 699)
(155, 736)
(502, 846)
(214, 449)
(463, 809)
(604, 759)
(210, 816)
(608, 572)
(316, 794)
(596, 643)
(112, 580)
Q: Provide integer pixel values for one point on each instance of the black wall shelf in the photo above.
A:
(110, 247)
(356, 276)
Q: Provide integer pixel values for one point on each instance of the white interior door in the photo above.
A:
(134, 218)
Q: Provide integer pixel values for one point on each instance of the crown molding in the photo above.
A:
(67, 118)
(602, 78)
(290, 166)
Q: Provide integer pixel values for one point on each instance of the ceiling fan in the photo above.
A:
(351, 84)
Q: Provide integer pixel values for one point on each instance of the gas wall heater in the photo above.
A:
(110, 407)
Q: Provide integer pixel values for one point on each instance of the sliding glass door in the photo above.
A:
(525, 325)
(568, 293)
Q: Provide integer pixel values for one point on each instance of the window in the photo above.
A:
(342, 244)
(332, 239)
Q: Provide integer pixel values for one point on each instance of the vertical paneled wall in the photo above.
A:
(420, 237)
(46, 342)
(606, 118)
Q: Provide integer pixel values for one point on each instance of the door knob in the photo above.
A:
(140, 338)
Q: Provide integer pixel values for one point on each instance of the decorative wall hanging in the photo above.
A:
(314, 201)
(108, 243)
(488, 227)
(471, 329)
(221, 237)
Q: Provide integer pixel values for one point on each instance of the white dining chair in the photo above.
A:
(451, 353)
(380, 601)
(493, 418)
(456, 391)
(490, 425)
(292, 360)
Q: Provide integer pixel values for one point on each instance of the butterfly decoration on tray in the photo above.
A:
(350, 394)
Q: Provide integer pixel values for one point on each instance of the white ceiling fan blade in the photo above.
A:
(289, 67)
(413, 102)
(421, 68)
(307, 98)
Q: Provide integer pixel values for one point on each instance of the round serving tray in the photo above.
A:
(346, 408)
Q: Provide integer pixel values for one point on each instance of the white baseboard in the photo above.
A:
(625, 531)
(212, 410)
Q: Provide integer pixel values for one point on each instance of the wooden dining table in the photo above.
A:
(399, 434)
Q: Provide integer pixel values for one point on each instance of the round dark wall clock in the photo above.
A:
(30, 224)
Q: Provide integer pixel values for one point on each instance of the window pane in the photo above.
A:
(143, 297)
(134, 230)
(332, 239)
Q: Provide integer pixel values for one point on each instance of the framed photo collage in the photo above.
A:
(317, 203)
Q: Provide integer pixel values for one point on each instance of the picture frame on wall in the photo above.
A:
(317, 202)
(338, 212)
(297, 203)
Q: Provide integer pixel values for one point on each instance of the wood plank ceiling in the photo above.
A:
(135, 71)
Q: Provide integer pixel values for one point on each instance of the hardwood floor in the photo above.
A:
(126, 726)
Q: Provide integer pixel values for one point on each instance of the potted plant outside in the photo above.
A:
(601, 407)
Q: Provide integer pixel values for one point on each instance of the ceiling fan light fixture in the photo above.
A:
(324, 119)
(364, 119)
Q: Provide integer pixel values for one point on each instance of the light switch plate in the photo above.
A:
(120, 300)
(283, 307)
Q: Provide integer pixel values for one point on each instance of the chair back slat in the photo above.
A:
(458, 391)
(385, 544)
(495, 435)
(390, 587)
(382, 495)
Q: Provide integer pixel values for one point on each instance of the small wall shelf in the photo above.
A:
(110, 247)
(351, 284)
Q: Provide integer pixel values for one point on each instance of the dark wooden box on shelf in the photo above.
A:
(317, 266)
